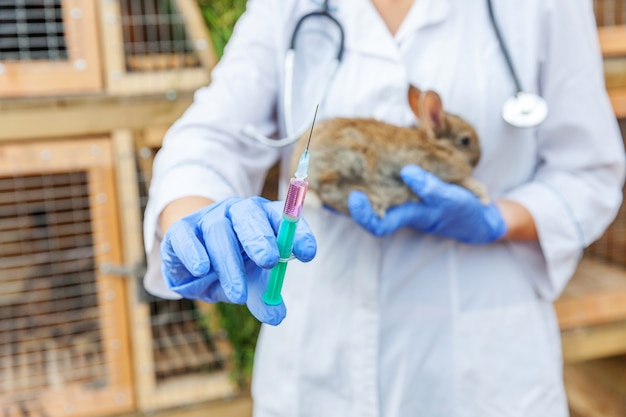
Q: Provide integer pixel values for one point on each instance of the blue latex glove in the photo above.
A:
(445, 210)
(223, 253)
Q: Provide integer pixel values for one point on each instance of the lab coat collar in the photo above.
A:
(366, 32)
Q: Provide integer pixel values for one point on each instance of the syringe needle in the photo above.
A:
(303, 162)
(312, 125)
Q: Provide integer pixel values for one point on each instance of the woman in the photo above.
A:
(439, 309)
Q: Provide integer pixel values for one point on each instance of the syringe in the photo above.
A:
(286, 231)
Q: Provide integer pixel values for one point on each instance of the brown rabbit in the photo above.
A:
(349, 154)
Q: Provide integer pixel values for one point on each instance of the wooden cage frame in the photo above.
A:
(612, 39)
(93, 155)
(152, 395)
(592, 312)
(80, 73)
(120, 82)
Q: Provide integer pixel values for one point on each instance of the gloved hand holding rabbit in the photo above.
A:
(388, 177)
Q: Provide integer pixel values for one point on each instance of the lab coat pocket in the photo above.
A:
(509, 362)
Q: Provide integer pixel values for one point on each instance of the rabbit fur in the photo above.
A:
(364, 154)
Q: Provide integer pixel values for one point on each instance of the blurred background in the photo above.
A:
(87, 90)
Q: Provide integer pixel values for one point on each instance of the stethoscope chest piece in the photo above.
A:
(525, 110)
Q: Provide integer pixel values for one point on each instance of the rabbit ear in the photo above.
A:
(432, 112)
(428, 108)
(414, 100)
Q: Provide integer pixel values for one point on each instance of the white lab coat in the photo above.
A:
(413, 325)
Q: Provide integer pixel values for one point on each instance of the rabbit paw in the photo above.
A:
(479, 189)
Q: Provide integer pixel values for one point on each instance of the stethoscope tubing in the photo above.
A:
(526, 117)
(294, 134)
(504, 48)
(321, 13)
(290, 58)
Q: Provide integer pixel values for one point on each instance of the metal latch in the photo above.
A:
(135, 271)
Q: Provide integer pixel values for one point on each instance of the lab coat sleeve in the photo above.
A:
(204, 153)
(577, 188)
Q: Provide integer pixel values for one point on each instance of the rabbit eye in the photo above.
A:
(464, 141)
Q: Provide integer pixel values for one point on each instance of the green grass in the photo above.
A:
(220, 16)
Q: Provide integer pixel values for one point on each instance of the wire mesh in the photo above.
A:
(181, 346)
(32, 30)
(49, 330)
(64, 347)
(155, 36)
(60, 339)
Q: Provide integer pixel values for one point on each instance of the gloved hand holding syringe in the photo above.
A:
(291, 215)
(221, 252)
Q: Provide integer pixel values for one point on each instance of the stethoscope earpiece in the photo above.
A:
(525, 110)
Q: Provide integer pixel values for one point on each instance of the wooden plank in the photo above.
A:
(85, 117)
(594, 342)
(53, 157)
(613, 45)
(147, 143)
(596, 294)
(177, 80)
(153, 136)
(192, 389)
(130, 217)
(612, 40)
(112, 41)
(615, 73)
(111, 288)
(609, 373)
(161, 62)
(78, 400)
(597, 388)
(235, 407)
(618, 101)
(240, 406)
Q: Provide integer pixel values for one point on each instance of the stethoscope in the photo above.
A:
(294, 134)
(522, 110)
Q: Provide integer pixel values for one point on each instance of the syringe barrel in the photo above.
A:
(286, 234)
(295, 197)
